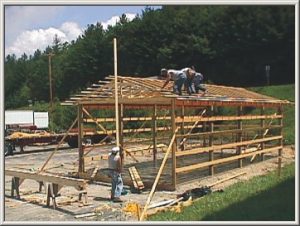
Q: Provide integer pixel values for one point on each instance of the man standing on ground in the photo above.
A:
(115, 166)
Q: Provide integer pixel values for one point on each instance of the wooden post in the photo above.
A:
(174, 146)
(280, 112)
(182, 126)
(262, 124)
(121, 127)
(239, 135)
(154, 134)
(80, 136)
(211, 153)
(116, 93)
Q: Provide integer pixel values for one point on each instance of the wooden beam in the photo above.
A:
(230, 145)
(58, 145)
(154, 134)
(65, 181)
(226, 118)
(223, 160)
(94, 120)
(210, 142)
(262, 124)
(239, 135)
(227, 131)
(174, 146)
(280, 112)
(158, 176)
(80, 137)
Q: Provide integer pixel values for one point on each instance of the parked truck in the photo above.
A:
(24, 128)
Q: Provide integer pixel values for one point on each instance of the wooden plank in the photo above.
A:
(227, 131)
(58, 145)
(230, 145)
(80, 137)
(65, 181)
(223, 160)
(210, 142)
(174, 146)
(136, 179)
(239, 135)
(158, 176)
(154, 134)
(226, 118)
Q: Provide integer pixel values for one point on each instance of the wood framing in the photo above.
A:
(203, 132)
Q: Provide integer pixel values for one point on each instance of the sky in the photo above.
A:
(28, 28)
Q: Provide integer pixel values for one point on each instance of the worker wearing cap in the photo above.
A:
(115, 166)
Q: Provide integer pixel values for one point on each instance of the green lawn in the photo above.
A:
(262, 198)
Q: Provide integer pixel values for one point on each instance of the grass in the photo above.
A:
(283, 92)
(262, 198)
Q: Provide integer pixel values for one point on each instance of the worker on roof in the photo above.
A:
(194, 82)
(115, 166)
(178, 76)
(198, 83)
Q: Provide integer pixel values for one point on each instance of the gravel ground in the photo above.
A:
(31, 208)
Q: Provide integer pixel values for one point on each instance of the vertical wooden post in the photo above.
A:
(280, 112)
(154, 134)
(262, 125)
(116, 93)
(204, 130)
(239, 135)
(121, 127)
(211, 129)
(80, 136)
(174, 146)
(182, 126)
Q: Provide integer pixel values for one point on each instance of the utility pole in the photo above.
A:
(50, 55)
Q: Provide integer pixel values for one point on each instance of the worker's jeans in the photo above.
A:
(179, 83)
(116, 184)
(189, 86)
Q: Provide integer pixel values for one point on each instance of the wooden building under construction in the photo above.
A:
(193, 136)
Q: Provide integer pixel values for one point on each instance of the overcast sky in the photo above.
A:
(28, 28)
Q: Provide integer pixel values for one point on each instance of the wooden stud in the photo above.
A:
(174, 146)
(154, 134)
(280, 112)
(80, 136)
(182, 146)
(121, 128)
(211, 153)
(239, 135)
(262, 124)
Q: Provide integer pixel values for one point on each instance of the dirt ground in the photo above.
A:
(31, 207)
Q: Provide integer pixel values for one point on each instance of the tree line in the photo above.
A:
(230, 45)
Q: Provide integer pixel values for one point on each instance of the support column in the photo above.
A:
(239, 135)
(262, 125)
(80, 137)
(121, 127)
(182, 126)
(174, 146)
(280, 112)
(211, 129)
(154, 134)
